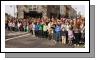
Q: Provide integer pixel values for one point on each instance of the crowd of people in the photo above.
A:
(68, 31)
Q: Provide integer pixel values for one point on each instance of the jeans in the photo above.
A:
(36, 33)
(57, 36)
(77, 37)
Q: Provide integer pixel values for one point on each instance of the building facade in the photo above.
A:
(46, 11)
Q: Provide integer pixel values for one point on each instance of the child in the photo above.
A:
(63, 33)
(70, 36)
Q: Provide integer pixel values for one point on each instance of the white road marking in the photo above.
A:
(16, 33)
(16, 37)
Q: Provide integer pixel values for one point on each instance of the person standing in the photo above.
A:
(70, 36)
(67, 26)
(63, 35)
(77, 36)
(45, 31)
(13, 26)
(16, 26)
(36, 29)
(6, 24)
(33, 28)
(53, 31)
(27, 27)
(19, 24)
(58, 32)
(82, 27)
(49, 30)
(10, 25)
(40, 30)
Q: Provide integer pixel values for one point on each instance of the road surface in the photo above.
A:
(27, 40)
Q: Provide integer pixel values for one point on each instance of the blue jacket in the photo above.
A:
(57, 28)
(36, 27)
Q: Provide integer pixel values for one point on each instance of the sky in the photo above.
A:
(79, 8)
(10, 9)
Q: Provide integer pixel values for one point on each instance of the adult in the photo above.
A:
(57, 32)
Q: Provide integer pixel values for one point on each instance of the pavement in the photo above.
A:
(27, 40)
(11, 34)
